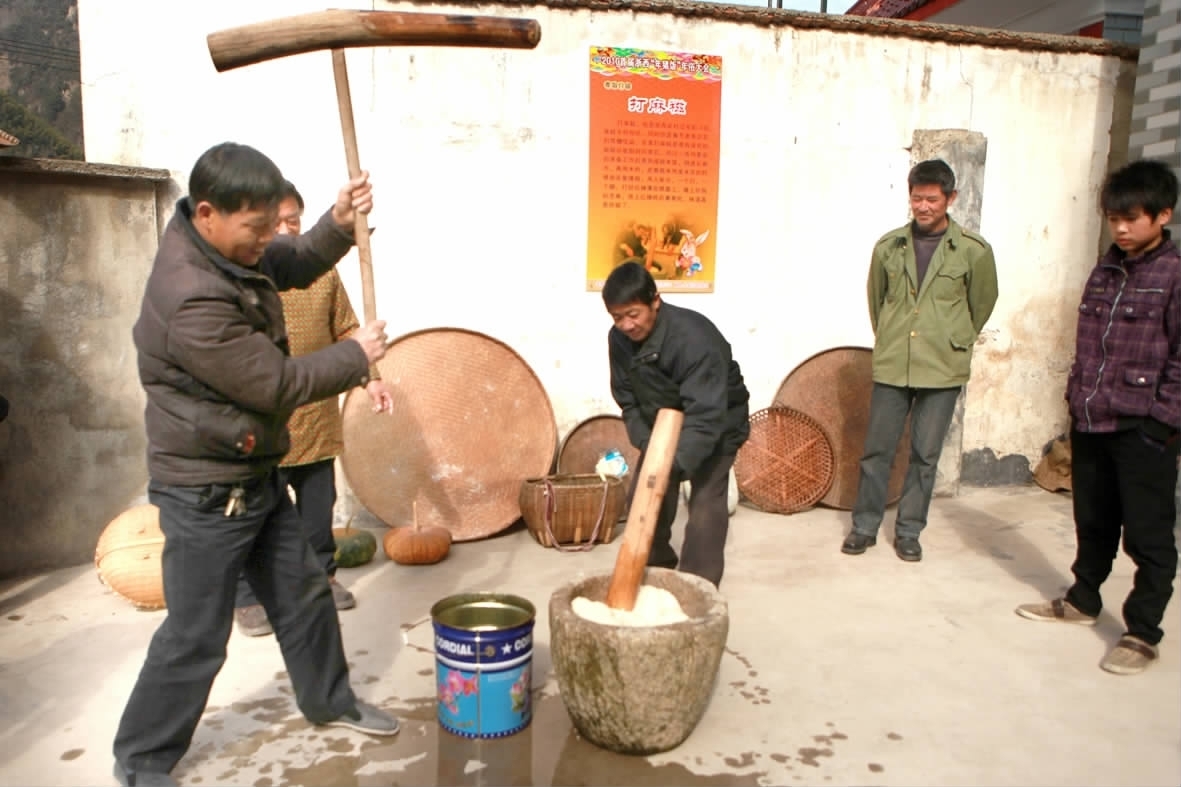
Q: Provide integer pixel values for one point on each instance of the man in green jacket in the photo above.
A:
(932, 286)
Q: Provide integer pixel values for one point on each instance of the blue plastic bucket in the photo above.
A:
(484, 663)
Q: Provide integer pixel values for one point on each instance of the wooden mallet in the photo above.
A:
(341, 29)
(651, 487)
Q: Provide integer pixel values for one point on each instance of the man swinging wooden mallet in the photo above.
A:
(220, 387)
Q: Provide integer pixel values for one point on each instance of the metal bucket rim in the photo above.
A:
(465, 599)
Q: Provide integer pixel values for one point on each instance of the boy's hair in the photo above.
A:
(934, 172)
(289, 190)
(629, 283)
(1146, 185)
(233, 177)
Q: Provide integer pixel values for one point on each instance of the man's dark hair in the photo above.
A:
(934, 172)
(629, 283)
(1146, 185)
(233, 177)
(289, 190)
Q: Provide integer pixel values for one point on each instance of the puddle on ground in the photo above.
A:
(547, 752)
(809, 755)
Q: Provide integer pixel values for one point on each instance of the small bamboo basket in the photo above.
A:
(572, 512)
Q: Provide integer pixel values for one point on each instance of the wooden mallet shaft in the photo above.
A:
(651, 487)
(344, 103)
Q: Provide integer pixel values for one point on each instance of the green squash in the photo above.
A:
(354, 547)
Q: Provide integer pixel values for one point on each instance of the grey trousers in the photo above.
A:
(930, 411)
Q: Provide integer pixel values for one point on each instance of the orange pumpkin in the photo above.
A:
(417, 545)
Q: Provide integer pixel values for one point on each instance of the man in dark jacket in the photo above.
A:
(221, 383)
(1124, 394)
(665, 356)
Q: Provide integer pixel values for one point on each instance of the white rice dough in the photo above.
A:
(654, 607)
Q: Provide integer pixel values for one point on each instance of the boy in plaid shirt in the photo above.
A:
(1124, 393)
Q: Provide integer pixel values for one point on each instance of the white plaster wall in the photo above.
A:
(479, 162)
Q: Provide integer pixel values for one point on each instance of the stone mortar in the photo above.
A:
(638, 690)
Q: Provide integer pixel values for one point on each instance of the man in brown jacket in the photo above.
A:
(316, 317)
(221, 383)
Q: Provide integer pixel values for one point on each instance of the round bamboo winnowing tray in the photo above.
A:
(786, 465)
(128, 557)
(590, 439)
(471, 421)
(834, 387)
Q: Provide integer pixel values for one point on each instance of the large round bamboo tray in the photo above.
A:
(786, 465)
(471, 421)
(128, 557)
(834, 387)
(591, 438)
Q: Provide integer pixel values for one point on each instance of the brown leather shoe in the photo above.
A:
(908, 549)
(857, 543)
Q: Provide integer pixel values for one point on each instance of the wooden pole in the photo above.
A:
(344, 102)
(651, 487)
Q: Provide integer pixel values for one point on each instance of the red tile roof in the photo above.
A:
(887, 9)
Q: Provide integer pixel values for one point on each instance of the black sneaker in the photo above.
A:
(366, 718)
(252, 620)
(857, 543)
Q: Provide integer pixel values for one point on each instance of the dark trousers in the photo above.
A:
(931, 410)
(204, 554)
(1121, 479)
(315, 497)
(704, 550)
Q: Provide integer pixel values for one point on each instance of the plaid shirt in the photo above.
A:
(316, 318)
(1128, 348)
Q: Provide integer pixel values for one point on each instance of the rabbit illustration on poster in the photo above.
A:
(688, 263)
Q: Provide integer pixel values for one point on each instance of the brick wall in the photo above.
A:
(1156, 113)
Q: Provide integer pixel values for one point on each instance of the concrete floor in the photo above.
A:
(839, 670)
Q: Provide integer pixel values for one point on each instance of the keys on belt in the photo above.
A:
(236, 505)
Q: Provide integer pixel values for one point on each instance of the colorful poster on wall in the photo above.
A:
(654, 151)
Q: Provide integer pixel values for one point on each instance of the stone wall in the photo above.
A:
(76, 245)
(1156, 113)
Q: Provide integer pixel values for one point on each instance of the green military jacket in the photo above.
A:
(924, 334)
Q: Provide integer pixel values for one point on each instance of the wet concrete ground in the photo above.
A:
(839, 671)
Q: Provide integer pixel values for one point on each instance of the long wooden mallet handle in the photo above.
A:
(344, 101)
(341, 29)
(651, 487)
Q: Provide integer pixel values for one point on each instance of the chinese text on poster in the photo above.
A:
(654, 150)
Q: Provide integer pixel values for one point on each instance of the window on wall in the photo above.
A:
(1123, 27)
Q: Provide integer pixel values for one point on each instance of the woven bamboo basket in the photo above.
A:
(834, 387)
(572, 512)
(787, 464)
(128, 557)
